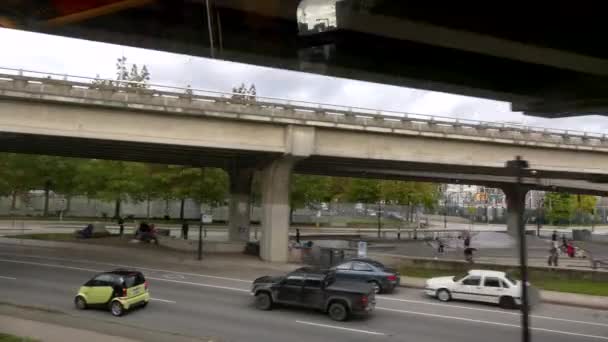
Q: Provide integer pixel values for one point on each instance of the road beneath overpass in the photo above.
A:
(219, 305)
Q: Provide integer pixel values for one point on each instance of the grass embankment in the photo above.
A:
(12, 338)
(544, 282)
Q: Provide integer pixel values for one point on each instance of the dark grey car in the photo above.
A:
(382, 278)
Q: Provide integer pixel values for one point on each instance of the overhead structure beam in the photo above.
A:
(93, 12)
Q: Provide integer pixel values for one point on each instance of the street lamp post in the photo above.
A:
(379, 218)
(517, 167)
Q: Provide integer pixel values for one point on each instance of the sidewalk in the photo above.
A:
(51, 332)
(48, 326)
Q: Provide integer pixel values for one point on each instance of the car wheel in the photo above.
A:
(338, 312)
(144, 304)
(263, 301)
(444, 295)
(376, 286)
(117, 309)
(506, 302)
(80, 303)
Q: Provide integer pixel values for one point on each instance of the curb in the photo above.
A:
(559, 298)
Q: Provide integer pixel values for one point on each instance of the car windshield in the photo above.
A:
(511, 279)
(460, 277)
(133, 280)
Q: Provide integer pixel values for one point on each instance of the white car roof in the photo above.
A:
(487, 273)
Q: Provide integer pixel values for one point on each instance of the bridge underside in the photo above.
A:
(548, 60)
(227, 159)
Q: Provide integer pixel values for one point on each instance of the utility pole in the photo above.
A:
(379, 215)
(517, 167)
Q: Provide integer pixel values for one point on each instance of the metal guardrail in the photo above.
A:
(309, 106)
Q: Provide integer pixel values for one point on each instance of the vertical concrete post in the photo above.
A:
(276, 183)
(516, 202)
(239, 210)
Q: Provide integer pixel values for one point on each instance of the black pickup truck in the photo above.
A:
(315, 289)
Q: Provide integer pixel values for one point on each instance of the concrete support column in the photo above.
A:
(239, 212)
(516, 202)
(276, 183)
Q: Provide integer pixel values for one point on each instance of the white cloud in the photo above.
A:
(85, 58)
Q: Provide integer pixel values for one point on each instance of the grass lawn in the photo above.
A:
(11, 338)
(580, 286)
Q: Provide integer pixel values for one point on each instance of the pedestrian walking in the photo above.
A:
(553, 255)
(185, 229)
(554, 236)
(467, 242)
(297, 235)
(121, 224)
(441, 248)
(468, 254)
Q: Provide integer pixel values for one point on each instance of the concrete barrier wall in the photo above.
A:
(461, 266)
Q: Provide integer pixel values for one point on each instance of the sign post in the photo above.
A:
(362, 249)
(204, 219)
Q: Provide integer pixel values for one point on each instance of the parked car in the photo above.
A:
(382, 278)
(118, 291)
(482, 286)
(314, 289)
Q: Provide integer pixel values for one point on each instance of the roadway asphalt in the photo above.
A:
(206, 305)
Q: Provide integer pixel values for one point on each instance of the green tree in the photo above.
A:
(560, 207)
(243, 93)
(309, 190)
(411, 194)
(19, 175)
(364, 190)
(116, 181)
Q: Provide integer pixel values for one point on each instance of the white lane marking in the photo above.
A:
(199, 284)
(151, 278)
(49, 265)
(127, 266)
(490, 310)
(8, 278)
(491, 323)
(163, 300)
(342, 328)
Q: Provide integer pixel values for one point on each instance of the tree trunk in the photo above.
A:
(68, 204)
(47, 190)
(117, 208)
(181, 209)
(14, 200)
(148, 207)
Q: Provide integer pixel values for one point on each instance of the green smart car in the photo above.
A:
(118, 290)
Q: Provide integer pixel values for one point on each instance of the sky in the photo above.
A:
(33, 51)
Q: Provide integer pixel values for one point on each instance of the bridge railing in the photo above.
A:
(297, 105)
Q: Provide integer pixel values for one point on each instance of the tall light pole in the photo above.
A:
(517, 167)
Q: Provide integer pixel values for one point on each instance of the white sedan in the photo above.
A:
(479, 285)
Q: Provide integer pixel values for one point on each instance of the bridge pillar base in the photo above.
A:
(276, 185)
(240, 204)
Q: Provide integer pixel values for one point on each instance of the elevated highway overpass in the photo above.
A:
(67, 115)
(546, 59)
